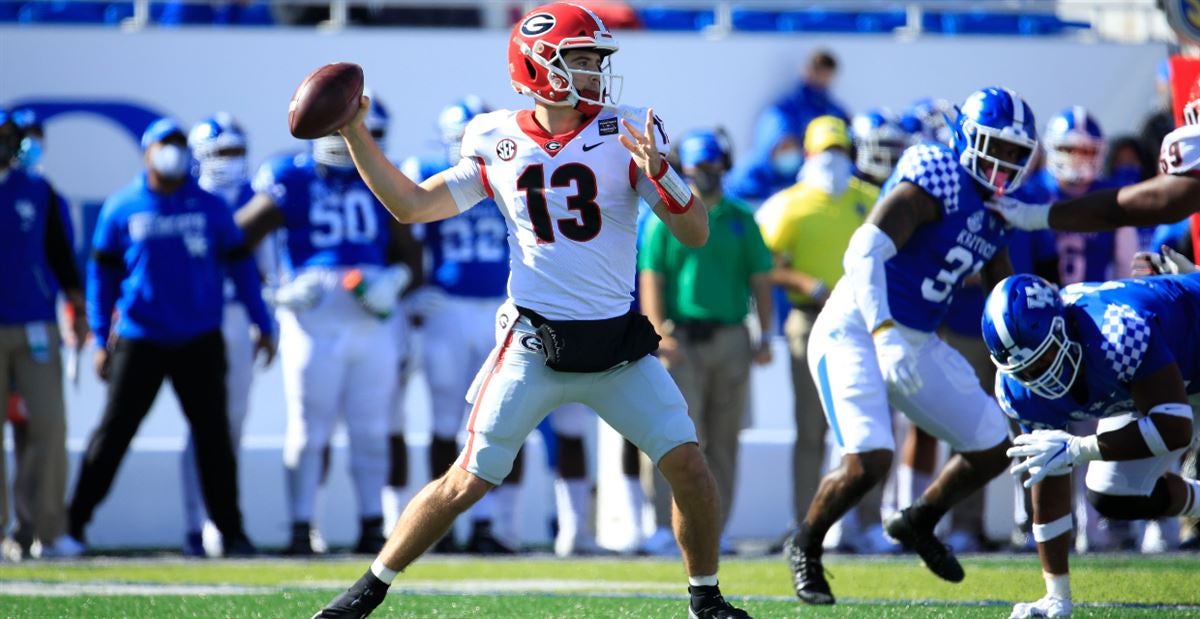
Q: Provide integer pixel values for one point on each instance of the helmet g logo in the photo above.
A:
(537, 24)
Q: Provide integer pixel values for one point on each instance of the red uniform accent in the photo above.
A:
(1196, 238)
(466, 456)
(483, 176)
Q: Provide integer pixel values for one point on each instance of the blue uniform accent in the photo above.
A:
(169, 255)
(827, 396)
(1025, 249)
(467, 253)
(924, 274)
(30, 288)
(331, 217)
(1082, 256)
(1128, 330)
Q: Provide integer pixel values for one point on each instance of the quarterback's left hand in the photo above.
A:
(643, 146)
(1048, 606)
(1019, 214)
(1046, 452)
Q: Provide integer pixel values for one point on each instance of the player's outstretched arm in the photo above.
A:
(407, 201)
(1164, 199)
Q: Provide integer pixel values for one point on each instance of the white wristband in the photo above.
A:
(1087, 448)
(1045, 532)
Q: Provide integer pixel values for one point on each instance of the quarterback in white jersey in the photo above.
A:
(567, 176)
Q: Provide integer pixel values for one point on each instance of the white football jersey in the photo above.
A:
(1180, 152)
(571, 203)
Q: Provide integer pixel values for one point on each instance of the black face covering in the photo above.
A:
(706, 181)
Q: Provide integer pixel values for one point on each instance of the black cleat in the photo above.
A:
(371, 538)
(708, 603)
(301, 544)
(808, 575)
(938, 557)
(483, 542)
(359, 600)
(445, 546)
(239, 546)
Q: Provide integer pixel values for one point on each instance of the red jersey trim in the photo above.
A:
(465, 460)
(483, 172)
(530, 127)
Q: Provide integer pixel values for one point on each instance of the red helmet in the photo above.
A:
(535, 61)
(1191, 109)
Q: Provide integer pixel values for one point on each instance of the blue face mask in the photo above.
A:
(30, 153)
(787, 163)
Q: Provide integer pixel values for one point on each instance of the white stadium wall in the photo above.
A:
(690, 80)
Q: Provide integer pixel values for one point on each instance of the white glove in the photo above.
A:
(1019, 214)
(383, 291)
(1050, 452)
(897, 361)
(425, 301)
(301, 293)
(1048, 606)
(1167, 262)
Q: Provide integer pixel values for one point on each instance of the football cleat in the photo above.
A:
(360, 600)
(938, 557)
(371, 539)
(808, 575)
(484, 542)
(708, 603)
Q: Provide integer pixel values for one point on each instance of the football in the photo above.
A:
(326, 100)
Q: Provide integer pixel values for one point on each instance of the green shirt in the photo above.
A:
(710, 282)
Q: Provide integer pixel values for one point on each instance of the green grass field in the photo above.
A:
(1105, 586)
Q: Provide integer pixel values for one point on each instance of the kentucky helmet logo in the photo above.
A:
(537, 24)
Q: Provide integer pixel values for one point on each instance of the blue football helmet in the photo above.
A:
(452, 123)
(32, 134)
(988, 121)
(1026, 333)
(218, 147)
(935, 116)
(1075, 146)
(332, 151)
(879, 140)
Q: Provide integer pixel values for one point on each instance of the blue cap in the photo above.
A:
(160, 130)
(700, 147)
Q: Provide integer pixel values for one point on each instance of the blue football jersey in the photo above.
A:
(330, 215)
(924, 274)
(1128, 329)
(1082, 256)
(467, 254)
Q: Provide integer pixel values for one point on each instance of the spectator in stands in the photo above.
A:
(1161, 121)
(161, 251)
(1127, 163)
(807, 227)
(777, 153)
(36, 261)
(698, 299)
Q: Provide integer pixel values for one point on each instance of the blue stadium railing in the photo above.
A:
(751, 18)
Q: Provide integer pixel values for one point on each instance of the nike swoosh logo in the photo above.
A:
(587, 147)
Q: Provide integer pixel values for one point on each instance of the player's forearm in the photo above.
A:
(689, 227)
(398, 193)
(1052, 522)
(1159, 200)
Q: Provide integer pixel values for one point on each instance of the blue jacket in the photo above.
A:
(161, 261)
(35, 248)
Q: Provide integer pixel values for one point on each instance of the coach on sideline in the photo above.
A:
(698, 298)
(160, 253)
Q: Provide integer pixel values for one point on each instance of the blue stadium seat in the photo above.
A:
(61, 13)
(816, 20)
(181, 13)
(256, 14)
(9, 11)
(989, 23)
(655, 18)
(117, 12)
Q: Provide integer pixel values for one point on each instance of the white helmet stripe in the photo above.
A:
(995, 313)
(1018, 110)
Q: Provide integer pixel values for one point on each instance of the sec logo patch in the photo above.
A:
(506, 149)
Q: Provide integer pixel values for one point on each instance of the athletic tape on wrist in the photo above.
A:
(675, 193)
(1051, 530)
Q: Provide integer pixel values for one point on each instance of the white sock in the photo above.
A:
(579, 493)
(391, 507)
(703, 581)
(637, 503)
(1058, 585)
(1191, 505)
(383, 572)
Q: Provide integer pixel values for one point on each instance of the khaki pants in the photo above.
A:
(808, 453)
(715, 380)
(39, 489)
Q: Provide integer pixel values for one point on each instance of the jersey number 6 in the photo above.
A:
(583, 228)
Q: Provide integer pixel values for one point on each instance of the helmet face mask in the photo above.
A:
(1075, 147)
(332, 150)
(452, 124)
(879, 141)
(536, 62)
(995, 138)
(1025, 329)
(218, 147)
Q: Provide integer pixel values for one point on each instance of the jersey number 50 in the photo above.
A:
(348, 218)
(583, 228)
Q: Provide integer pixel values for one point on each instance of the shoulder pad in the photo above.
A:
(482, 131)
(1126, 338)
(1180, 153)
(932, 167)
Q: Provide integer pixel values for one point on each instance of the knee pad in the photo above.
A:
(1135, 507)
